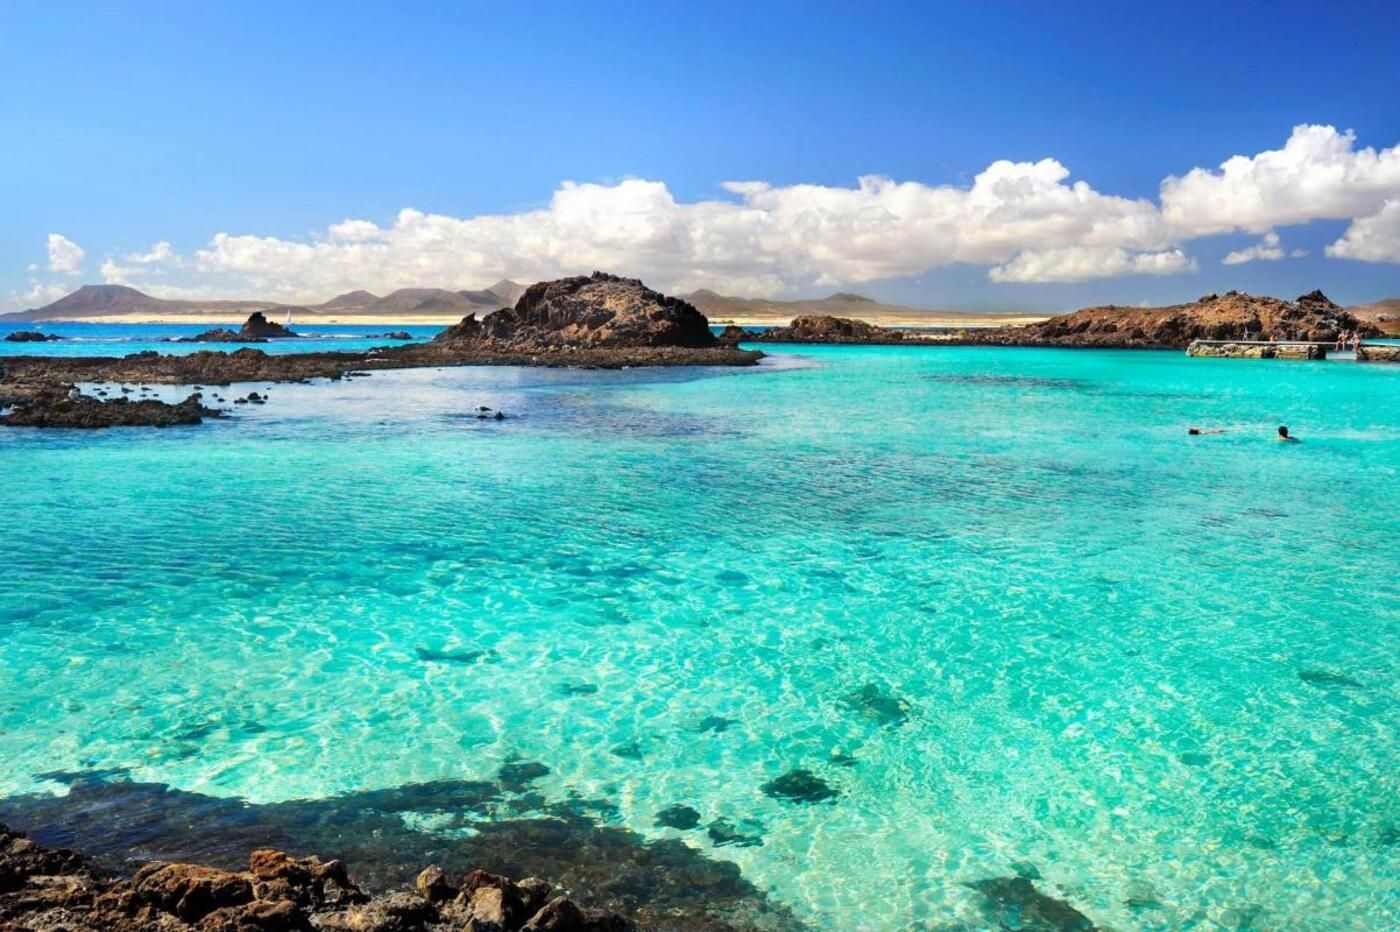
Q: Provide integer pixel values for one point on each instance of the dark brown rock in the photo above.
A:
(821, 328)
(188, 891)
(55, 891)
(1231, 316)
(58, 407)
(31, 336)
(596, 311)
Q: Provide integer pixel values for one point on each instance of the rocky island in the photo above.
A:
(256, 329)
(597, 321)
(1231, 316)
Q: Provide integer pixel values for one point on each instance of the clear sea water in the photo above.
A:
(103, 339)
(1158, 670)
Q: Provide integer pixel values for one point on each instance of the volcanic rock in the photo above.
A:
(822, 328)
(596, 311)
(45, 891)
(57, 406)
(1231, 316)
(31, 336)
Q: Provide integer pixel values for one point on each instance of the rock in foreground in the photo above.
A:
(61, 407)
(41, 889)
(597, 311)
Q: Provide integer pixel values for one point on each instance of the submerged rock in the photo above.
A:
(451, 656)
(518, 775)
(1016, 904)
(678, 816)
(1324, 679)
(800, 786)
(874, 703)
(724, 834)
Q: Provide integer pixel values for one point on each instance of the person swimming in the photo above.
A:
(1197, 431)
(1284, 436)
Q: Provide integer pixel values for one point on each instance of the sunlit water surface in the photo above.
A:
(998, 600)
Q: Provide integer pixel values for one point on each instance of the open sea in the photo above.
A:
(921, 638)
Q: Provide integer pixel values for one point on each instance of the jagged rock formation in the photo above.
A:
(1231, 316)
(597, 311)
(30, 336)
(42, 890)
(256, 329)
(827, 329)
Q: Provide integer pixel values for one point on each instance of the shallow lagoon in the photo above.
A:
(996, 599)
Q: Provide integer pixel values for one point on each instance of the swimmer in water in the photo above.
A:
(1196, 431)
(1283, 435)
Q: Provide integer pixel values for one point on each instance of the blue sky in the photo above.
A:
(127, 125)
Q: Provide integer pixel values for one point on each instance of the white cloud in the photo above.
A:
(773, 239)
(1022, 221)
(158, 253)
(37, 295)
(1266, 250)
(1081, 263)
(1373, 239)
(65, 255)
(1318, 174)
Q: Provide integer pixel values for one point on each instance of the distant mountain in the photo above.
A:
(507, 291)
(120, 300)
(351, 299)
(721, 308)
(101, 301)
(1384, 314)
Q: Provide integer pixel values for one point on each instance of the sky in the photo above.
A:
(998, 156)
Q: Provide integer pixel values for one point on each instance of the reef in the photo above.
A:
(511, 831)
(42, 889)
(45, 406)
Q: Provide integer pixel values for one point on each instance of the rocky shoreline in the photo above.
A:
(590, 322)
(47, 890)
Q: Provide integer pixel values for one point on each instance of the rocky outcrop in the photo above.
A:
(826, 329)
(597, 311)
(1254, 350)
(256, 329)
(59, 406)
(30, 336)
(1231, 316)
(42, 890)
(1378, 353)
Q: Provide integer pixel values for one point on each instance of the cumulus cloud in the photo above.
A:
(1025, 222)
(1373, 239)
(1081, 263)
(65, 255)
(769, 239)
(158, 253)
(1268, 249)
(1318, 174)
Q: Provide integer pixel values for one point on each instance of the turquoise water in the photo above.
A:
(1051, 630)
(98, 339)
